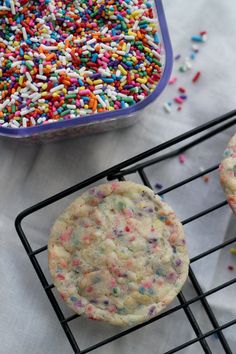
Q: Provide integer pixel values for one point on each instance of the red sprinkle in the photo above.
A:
(179, 108)
(230, 267)
(203, 33)
(127, 229)
(206, 178)
(182, 89)
(196, 77)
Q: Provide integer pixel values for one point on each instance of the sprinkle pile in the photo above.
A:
(64, 59)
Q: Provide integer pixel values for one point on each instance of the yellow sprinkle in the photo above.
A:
(114, 55)
(110, 108)
(44, 86)
(44, 94)
(122, 69)
(28, 57)
(141, 81)
(233, 250)
(135, 13)
(21, 79)
(130, 33)
(55, 94)
(82, 88)
(46, 110)
(147, 49)
(64, 90)
(123, 83)
(124, 47)
(89, 81)
(48, 66)
(97, 82)
(86, 106)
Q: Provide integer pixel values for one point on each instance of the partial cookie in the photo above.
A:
(118, 254)
(228, 173)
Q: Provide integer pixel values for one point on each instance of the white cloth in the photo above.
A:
(29, 174)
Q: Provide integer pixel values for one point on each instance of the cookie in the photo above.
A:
(118, 254)
(227, 171)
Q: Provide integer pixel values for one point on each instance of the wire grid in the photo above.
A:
(138, 164)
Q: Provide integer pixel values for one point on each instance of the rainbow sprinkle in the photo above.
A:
(65, 59)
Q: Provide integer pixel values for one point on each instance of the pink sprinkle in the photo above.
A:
(178, 100)
(172, 80)
(179, 108)
(84, 92)
(182, 158)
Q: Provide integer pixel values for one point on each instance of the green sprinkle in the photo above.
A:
(71, 95)
(29, 66)
(65, 113)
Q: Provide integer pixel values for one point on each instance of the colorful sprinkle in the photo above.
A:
(196, 76)
(230, 267)
(182, 158)
(233, 250)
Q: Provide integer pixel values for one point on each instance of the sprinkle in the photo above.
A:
(167, 107)
(172, 80)
(197, 38)
(177, 57)
(196, 76)
(178, 100)
(206, 178)
(182, 158)
(230, 267)
(233, 250)
(158, 186)
(182, 89)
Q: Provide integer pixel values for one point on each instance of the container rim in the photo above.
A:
(29, 131)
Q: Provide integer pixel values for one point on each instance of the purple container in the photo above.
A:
(101, 122)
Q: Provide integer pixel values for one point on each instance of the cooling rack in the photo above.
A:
(137, 165)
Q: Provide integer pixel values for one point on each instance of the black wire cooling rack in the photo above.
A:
(137, 165)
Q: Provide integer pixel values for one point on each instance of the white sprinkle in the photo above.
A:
(52, 47)
(2, 121)
(157, 55)
(121, 52)
(128, 47)
(92, 41)
(140, 97)
(57, 88)
(167, 107)
(118, 73)
(15, 122)
(36, 97)
(24, 33)
(16, 63)
(13, 125)
(107, 47)
(33, 121)
(101, 101)
(26, 111)
(97, 92)
(28, 76)
(33, 87)
(4, 104)
(5, 125)
(145, 87)
(41, 76)
(97, 87)
(73, 74)
(71, 106)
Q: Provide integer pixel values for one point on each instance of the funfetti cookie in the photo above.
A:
(118, 254)
(228, 173)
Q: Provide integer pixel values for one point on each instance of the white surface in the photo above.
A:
(29, 174)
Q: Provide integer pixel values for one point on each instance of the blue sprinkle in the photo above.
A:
(156, 38)
(73, 298)
(141, 290)
(123, 104)
(197, 38)
(107, 80)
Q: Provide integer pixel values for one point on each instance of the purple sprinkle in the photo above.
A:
(95, 76)
(152, 311)
(106, 302)
(177, 57)
(78, 304)
(158, 186)
(184, 97)
(93, 301)
(172, 276)
(178, 262)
